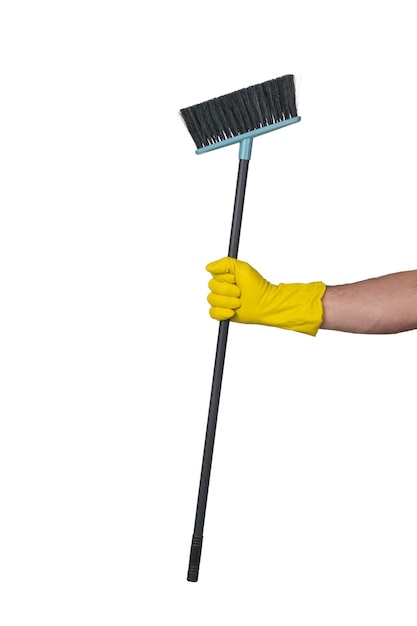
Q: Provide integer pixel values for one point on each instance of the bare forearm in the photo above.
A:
(387, 304)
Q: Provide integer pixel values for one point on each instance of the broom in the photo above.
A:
(236, 117)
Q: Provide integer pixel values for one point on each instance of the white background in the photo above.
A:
(108, 219)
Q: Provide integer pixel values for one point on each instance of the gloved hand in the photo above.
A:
(241, 294)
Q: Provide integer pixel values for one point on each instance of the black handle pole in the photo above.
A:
(197, 540)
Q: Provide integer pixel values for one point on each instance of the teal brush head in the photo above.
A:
(240, 116)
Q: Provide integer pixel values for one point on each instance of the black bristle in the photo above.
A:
(276, 91)
(241, 111)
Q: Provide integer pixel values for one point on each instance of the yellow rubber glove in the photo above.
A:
(241, 294)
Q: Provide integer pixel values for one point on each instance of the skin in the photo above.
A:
(387, 304)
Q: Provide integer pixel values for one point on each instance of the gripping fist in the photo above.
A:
(240, 294)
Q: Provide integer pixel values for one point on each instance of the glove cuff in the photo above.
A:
(299, 307)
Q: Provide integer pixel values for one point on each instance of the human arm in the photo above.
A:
(387, 304)
(383, 305)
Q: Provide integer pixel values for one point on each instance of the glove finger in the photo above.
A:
(223, 266)
(223, 302)
(225, 278)
(220, 314)
(224, 288)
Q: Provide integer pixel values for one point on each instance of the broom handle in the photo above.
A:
(197, 540)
